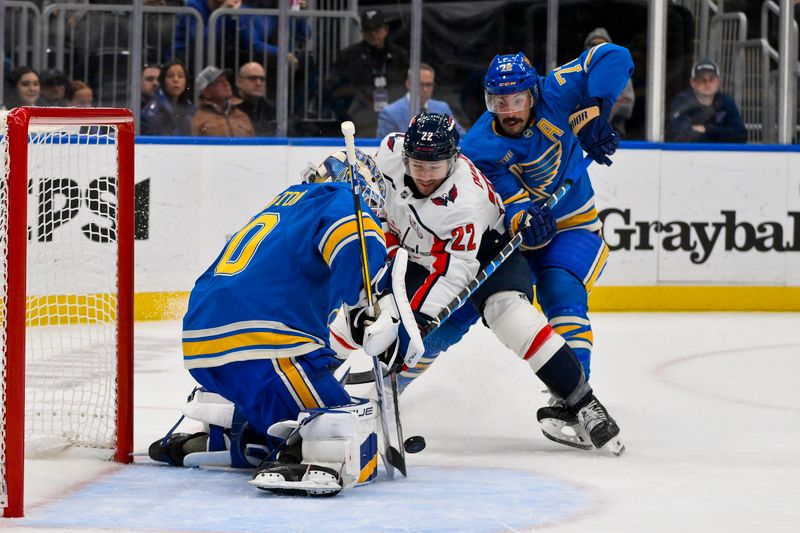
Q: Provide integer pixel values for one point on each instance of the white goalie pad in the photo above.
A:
(340, 438)
(209, 408)
(213, 410)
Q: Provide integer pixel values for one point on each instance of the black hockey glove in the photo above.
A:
(537, 225)
(594, 131)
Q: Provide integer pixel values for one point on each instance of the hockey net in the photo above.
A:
(66, 283)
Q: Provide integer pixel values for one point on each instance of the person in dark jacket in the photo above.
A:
(704, 114)
(171, 110)
(367, 76)
(251, 85)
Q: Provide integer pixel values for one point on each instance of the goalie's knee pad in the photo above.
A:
(341, 438)
(521, 328)
(226, 440)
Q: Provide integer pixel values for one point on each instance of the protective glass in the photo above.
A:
(509, 103)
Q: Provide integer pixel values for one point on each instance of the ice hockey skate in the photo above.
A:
(297, 479)
(590, 427)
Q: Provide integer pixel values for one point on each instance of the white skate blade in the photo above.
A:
(572, 435)
(315, 483)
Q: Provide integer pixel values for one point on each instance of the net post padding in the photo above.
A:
(18, 123)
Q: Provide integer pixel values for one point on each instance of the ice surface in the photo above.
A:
(708, 404)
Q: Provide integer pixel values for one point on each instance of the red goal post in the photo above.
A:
(77, 164)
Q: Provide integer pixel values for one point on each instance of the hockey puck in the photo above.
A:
(414, 444)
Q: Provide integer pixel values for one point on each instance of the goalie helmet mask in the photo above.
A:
(432, 137)
(368, 179)
(507, 75)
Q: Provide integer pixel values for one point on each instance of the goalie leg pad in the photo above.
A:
(342, 439)
(227, 440)
(521, 328)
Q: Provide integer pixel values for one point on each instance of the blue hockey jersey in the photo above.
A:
(529, 168)
(277, 284)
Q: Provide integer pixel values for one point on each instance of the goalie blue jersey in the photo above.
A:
(277, 284)
(531, 167)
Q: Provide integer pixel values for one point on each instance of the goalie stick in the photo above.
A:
(358, 378)
(391, 457)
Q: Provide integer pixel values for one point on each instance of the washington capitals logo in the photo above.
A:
(445, 198)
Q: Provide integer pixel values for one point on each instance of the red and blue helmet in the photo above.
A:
(510, 74)
(432, 137)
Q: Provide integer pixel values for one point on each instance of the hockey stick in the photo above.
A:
(391, 457)
(358, 378)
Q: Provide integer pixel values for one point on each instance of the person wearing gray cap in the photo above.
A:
(217, 114)
(704, 114)
(623, 107)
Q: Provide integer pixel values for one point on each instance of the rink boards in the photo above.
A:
(688, 229)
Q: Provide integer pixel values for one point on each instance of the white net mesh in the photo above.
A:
(71, 304)
(71, 298)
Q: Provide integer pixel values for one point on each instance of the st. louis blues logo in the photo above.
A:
(445, 198)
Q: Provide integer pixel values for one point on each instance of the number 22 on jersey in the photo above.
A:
(459, 242)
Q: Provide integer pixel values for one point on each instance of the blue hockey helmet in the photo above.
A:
(368, 179)
(509, 74)
(432, 137)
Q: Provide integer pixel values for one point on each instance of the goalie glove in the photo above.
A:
(394, 323)
(594, 131)
(537, 225)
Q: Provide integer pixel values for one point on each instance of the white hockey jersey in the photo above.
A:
(441, 232)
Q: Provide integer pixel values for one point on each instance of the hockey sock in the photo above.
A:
(563, 375)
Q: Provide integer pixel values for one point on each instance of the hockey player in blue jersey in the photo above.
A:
(527, 143)
(255, 336)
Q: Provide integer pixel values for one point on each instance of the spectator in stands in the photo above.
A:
(217, 114)
(24, 88)
(79, 94)
(704, 114)
(54, 88)
(171, 110)
(150, 83)
(76, 28)
(251, 84)
(185, 30)
(367, 75)
(262, 31)
(396, 116)
(623, 107)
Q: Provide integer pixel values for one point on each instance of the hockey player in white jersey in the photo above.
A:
(449, 219)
